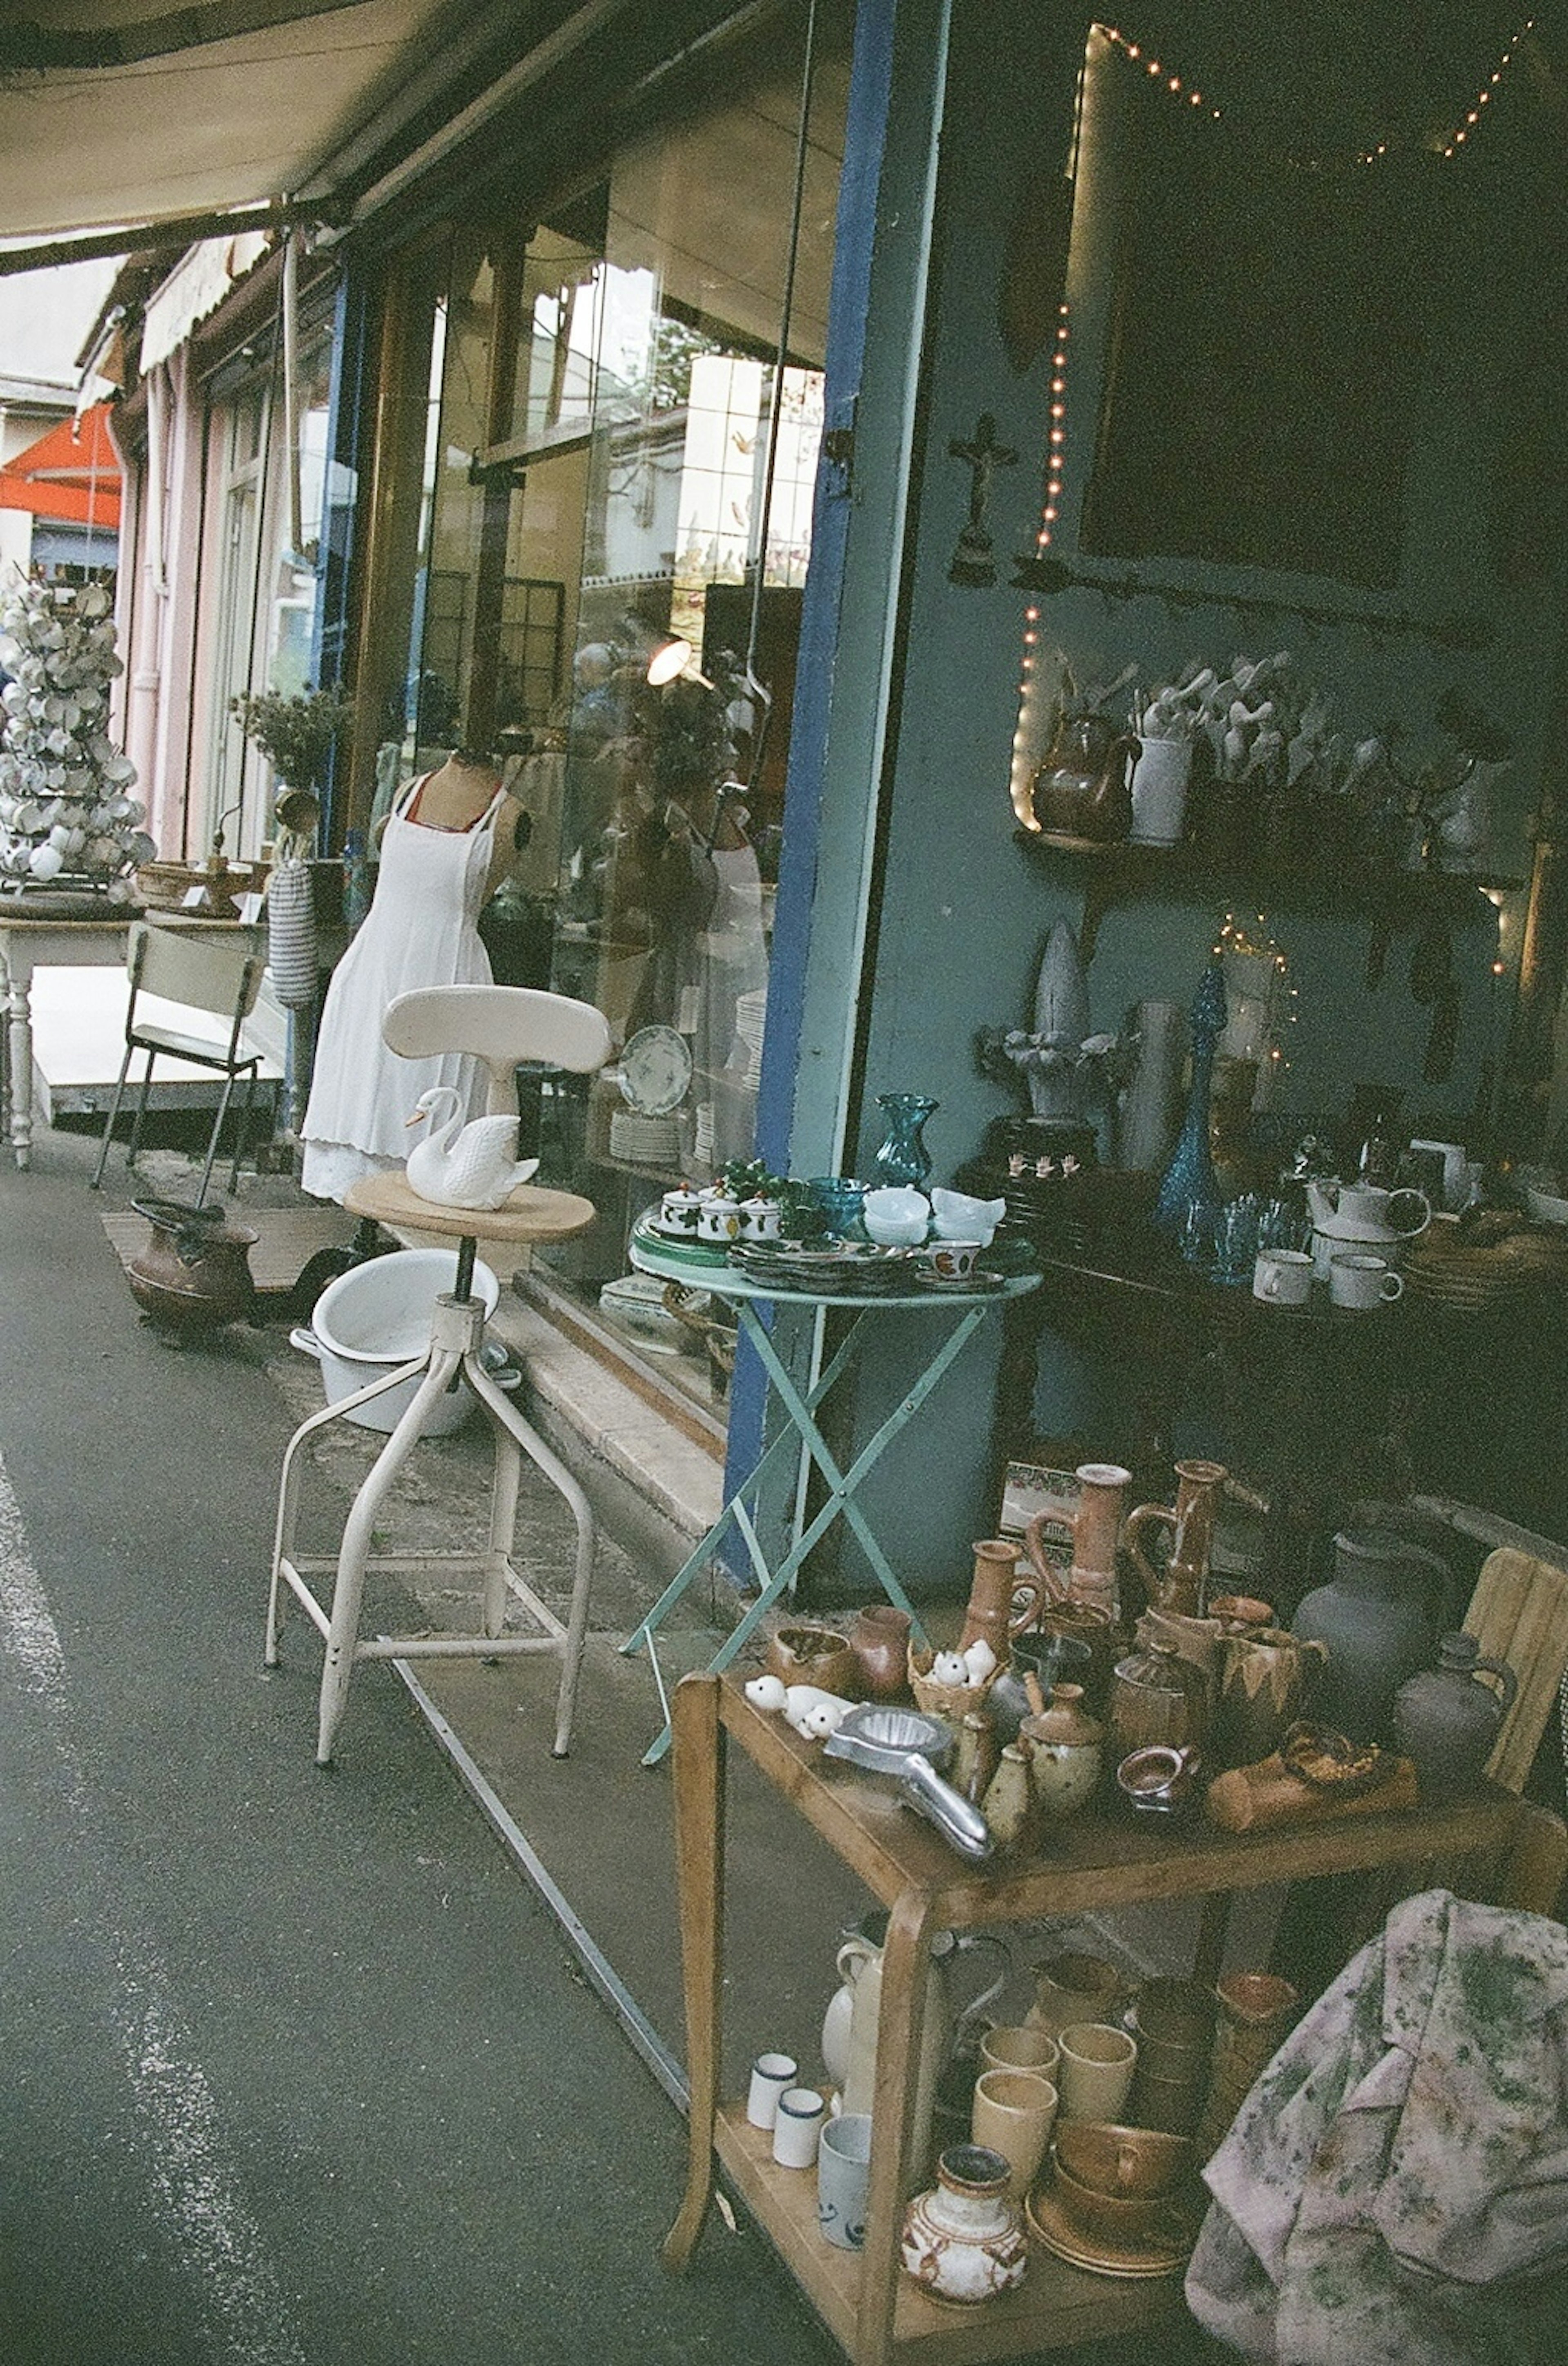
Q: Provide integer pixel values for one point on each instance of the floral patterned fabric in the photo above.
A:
(1395, 2189)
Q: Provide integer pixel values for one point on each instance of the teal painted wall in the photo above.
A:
(962, 911)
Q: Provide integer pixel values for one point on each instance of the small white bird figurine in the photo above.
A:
(458, 1166)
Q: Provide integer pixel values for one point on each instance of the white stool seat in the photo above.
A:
(502, 1025)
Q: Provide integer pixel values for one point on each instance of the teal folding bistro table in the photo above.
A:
(956, 1314)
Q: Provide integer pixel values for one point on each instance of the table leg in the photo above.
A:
(901, 2023)
(1214, 1927)
(18, 993)
(700, 1744)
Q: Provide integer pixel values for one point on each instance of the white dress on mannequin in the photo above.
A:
(421, 930)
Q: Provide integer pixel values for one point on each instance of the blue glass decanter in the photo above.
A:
(903, 1157)
(1187, 1193)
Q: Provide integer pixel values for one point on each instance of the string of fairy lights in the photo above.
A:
(1184, 92)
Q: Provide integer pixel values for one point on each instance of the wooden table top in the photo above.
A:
(530, 1214)
(1098, 1860)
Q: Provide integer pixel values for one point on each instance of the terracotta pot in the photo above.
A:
(193, 1274)
(880, 1641)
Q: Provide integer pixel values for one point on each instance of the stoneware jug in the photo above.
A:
(1063, 1752)
(1001, 1603)
(1378, 1617)
(1095, 1529)
(853, 2016)
(1082, 789)
(879, 1640)
(1183, 1583)
(1447, 1717)
(1156, 1698)
(1266, 1684)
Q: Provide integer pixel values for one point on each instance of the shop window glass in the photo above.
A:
(595, 487)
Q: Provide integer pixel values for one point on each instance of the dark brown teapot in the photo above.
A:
(194, 1273)
(1081, 789)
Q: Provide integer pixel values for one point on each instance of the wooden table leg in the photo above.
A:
(19, 986)
(901, 2022)
(699, 1756)
(1214, 1927)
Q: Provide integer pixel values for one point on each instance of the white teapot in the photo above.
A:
(1362, 1216)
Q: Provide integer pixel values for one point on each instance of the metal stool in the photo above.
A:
(489, 1021)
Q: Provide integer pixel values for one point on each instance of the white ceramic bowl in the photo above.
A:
(896, 1217)
(959, 1216)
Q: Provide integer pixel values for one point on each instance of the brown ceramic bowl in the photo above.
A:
(1123, 2162)
(802, 1654)
(1113, 2217)
(1171, 2106)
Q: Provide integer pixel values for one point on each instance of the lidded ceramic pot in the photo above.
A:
(963, 2240)
(1064, 1753)
(1156, 1696)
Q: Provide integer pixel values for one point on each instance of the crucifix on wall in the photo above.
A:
(974, 557)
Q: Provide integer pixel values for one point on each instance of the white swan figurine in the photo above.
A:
(458, 1166)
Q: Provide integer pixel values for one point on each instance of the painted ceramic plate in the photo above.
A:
(656, 1070)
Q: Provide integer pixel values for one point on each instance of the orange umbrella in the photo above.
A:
(70, 472)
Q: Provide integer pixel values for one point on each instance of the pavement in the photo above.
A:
(296, 2067)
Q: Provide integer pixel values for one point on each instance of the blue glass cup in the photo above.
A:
(1235, 1240)
(840, 1198)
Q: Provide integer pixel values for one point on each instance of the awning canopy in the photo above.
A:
(70, 472)
(132, 112)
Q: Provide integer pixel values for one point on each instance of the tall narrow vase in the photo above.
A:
(903, 1157)
(1188, 1185)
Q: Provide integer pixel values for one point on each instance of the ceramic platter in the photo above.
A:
(656, 1070)
(853, 1266)
(682, 1246)
(1061, 2235)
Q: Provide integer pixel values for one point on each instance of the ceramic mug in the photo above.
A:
(1071, 1988)
(951, 1260)
(1018, 2048)
(1095, 2075)
(1363, 1281)
(1282, 1277)
(797, 2129)
(770, 2074)
(1013, 2114)
(843, 2176)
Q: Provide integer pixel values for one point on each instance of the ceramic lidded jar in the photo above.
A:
(963, 2240)
(1447, 1717)
(1064, 1753)
(1156, 1696)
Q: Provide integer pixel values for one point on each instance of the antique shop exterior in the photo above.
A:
(1056, 347)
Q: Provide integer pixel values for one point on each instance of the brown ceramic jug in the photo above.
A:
(1095, 1529)
(880, 1641)
(1266, 1677)
(1184, 1582)
(1156, 1698)
(1083, 787)
(1001, 1603)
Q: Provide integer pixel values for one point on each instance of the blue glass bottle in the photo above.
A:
(903, 1157)
(1188, 1188)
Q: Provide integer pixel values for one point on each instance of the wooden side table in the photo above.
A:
(1096, 1864)
(529, 1216)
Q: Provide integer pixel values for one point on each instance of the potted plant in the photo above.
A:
(298, 735)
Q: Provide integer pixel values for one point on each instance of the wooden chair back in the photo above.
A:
(1518, 1614)
(502, 1026)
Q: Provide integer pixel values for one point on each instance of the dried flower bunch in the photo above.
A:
(297, 735)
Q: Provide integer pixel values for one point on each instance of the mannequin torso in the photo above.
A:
(455, 798)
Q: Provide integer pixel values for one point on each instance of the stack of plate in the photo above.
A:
(644, 1141)
(851, 1268)
(1449, 1268)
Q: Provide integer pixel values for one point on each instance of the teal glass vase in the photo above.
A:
(1188, 1193)
(903, 1157)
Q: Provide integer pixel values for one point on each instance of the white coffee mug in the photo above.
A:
(1282, 1277)
(772, 2074)
(1363, 1281)
(797, 2128)
(843, 2176)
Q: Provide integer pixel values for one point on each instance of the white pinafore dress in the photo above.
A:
(422, 930)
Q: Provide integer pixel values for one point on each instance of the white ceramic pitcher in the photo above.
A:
(851, 2024)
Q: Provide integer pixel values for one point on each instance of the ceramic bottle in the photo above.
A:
(1009, 1804)
(1064, 1753)
(1000, 1601)
(963, 2240)
(1448, 1719)
(880, 1641)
